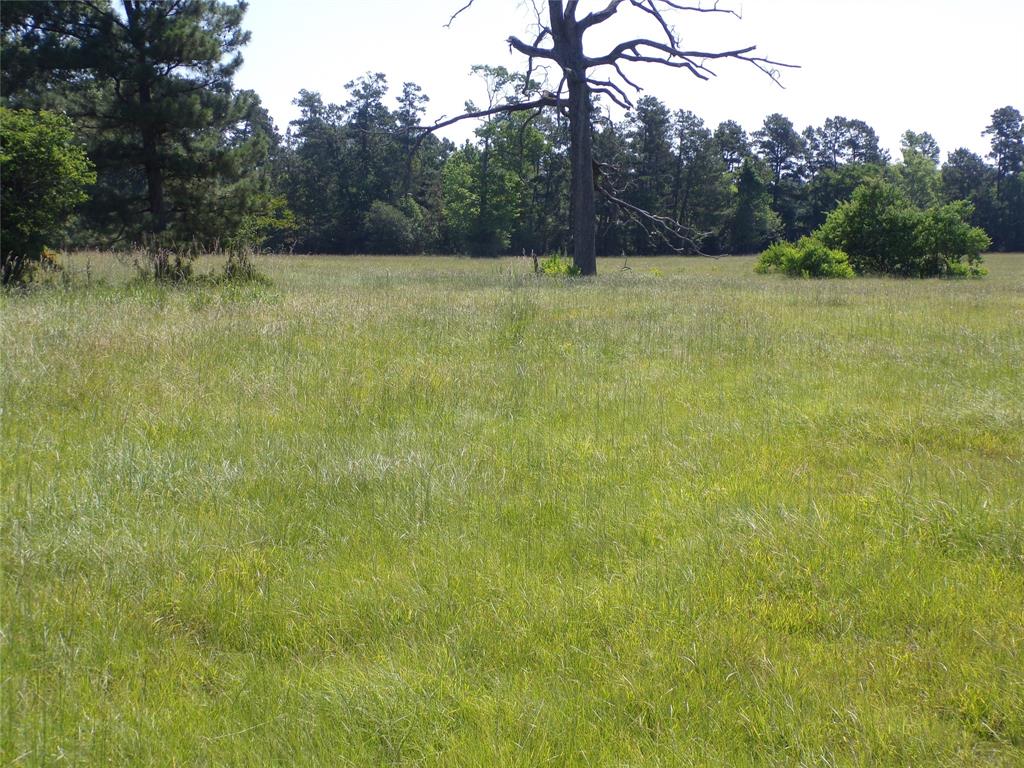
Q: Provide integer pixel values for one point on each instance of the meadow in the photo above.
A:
(442, 512)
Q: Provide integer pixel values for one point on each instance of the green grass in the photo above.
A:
(438, 512)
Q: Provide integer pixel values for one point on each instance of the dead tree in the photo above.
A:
(559, 40)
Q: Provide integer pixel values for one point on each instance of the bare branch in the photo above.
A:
(598, 17)
(531, 50)
(664, 228)
(622, 74)
(648, 7)
(520, 106)
(610, 95)
(466, 7)
(632, 50)
(695, 69)
(526, 124)
(700, 8)
(544, 32)
(606, 87)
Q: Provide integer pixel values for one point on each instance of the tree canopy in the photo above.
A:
(149, 85)
(181, 154)
(43, 174)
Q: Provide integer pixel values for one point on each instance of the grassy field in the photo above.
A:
(438, 512)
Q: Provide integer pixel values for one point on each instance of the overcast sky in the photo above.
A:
(940, 66)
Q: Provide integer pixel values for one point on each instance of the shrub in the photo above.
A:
(389, 229)
(270, 223)
(161, 259)
(43, 173)
(240, 268)
(168, 262)
(241, 249)
(884, 233)
(557, 265)
(876, 228)
(808, 258)
(776, 255)
(951, 245)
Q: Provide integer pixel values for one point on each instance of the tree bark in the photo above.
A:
(567, 48)
(150, 151)
(154, 181)
(584, 214)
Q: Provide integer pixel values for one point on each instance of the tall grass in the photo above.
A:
(435, 512)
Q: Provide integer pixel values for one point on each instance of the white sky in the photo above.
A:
(941, 66)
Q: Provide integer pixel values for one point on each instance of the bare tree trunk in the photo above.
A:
(581, 151)
(566, 33)
(566, 36)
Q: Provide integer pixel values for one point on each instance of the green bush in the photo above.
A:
(388, 229)
(401, 228)
(557, 265)
(776, 255)
(43, 174)
(951, 245)
(884, 233)
(242, 247)
(808, 258)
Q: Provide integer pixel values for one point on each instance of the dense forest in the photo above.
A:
(180, 153)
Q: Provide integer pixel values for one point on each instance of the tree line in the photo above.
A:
(182, 155)
(347, 173)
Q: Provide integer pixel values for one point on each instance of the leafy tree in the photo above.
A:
(921, 144)
(1007, 132)
(374, 155)
(497, 193)
(732, 143)
(44, 173)
(523, 145)
(842, 141)
(918, 175)
(782, 149)
(754, 223)
(884, 232)
(648, 136)
(389, 229)
(948, 244)
(313, 174)
(965, 176)
(780, 146)
(612, 151)
(479, 210)
(411, 106)
(149, 84)
(831, 187)
(338, 160)
(700, 189)
(876, 228)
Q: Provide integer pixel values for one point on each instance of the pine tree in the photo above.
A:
(149, 84)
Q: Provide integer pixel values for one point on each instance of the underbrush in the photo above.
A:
(558, 265)
(807, 258)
